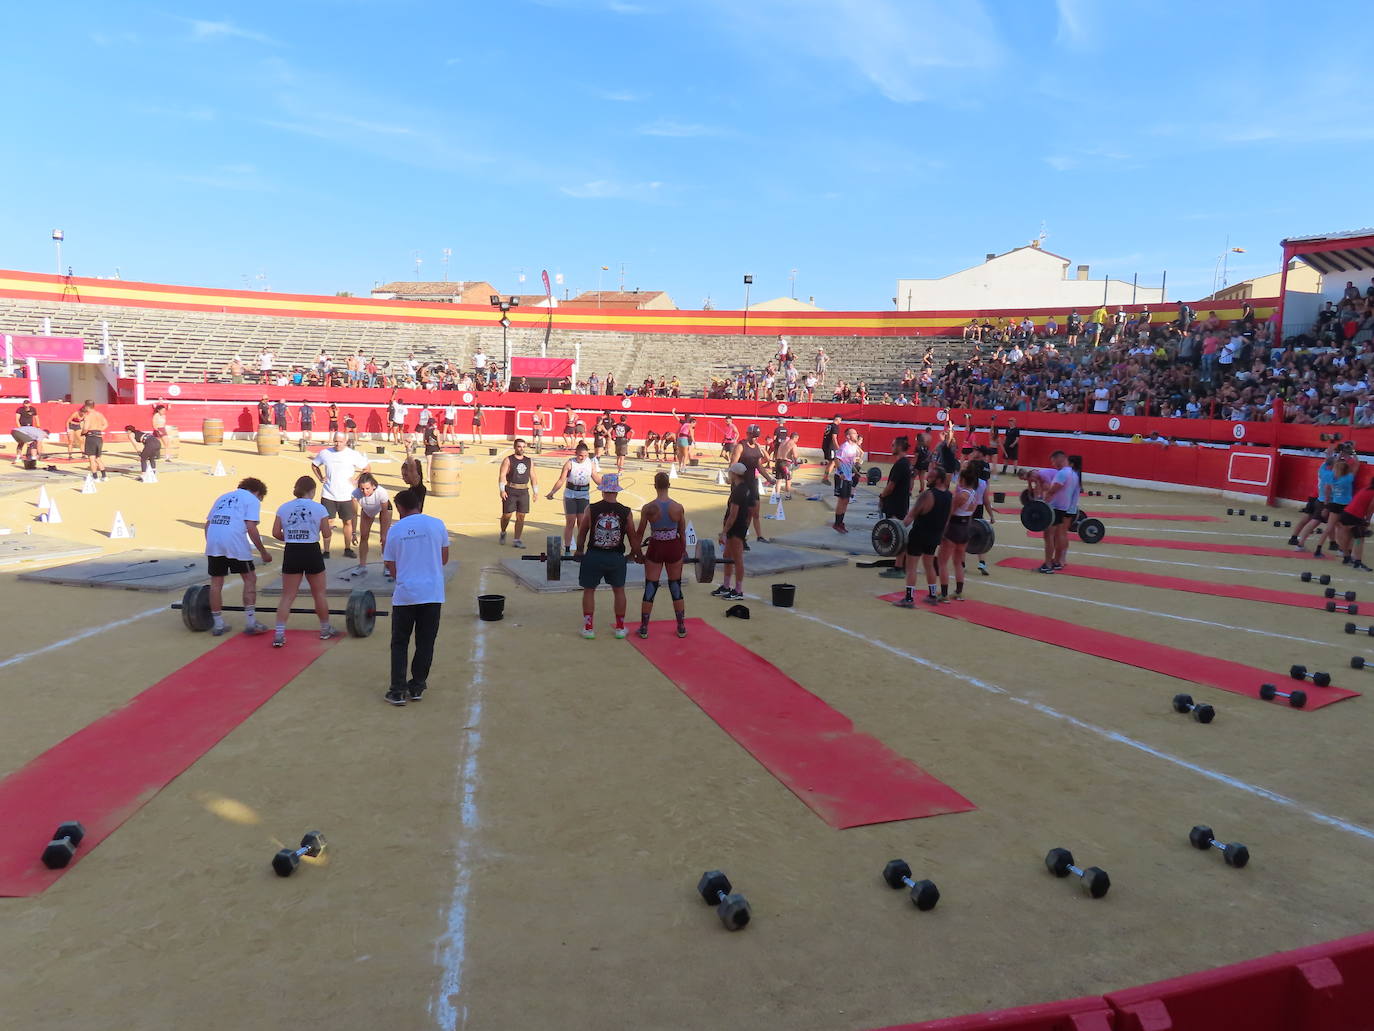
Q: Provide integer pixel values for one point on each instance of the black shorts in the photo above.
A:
(517, 501)
(345, 510)
(333, 425)
(958, 529)
(1060, 516)
(307, 426)
(1334, 508)
(893, 507)
(1011, 452)
(844, 487)
(739, 528)
(302, 558)
(783, 471)
(827, 453)
(917, 544)
(94, 446)
(218, 565)
(1349, 520)
(575, 505)
(753, 482)
(1311, 507)
(622, 448)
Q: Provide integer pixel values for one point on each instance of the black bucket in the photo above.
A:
(784, 595)
(491, 607)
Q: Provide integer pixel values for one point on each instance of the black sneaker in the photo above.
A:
(682, 630)
(325, 553)
(643, 631)
(1293, 539)
(397, 696)
(350, 553)
(721, 592)
(415, 691)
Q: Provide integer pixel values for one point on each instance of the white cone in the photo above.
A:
(691, 537)
(150, 476)
(43, 502)
(120, 529)
(88, 486)
(218, 470)
(781, 515)
(672, 472)
(52, 515)
(721, 481)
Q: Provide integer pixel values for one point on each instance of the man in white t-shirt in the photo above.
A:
(338, 468)
(265, 358)
(415, 554)
(479, 365)
(231, 534)
(1062, 495)
(396, 414)
(448, 430)
(848, 457)
(300, 525)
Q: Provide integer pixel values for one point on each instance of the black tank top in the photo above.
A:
(932, 523)
(750, 455)
(518, 472)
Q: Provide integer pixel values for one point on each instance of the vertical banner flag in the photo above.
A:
(548, 290)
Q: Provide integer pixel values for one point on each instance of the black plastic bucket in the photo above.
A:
(784, 595)
(491, 607)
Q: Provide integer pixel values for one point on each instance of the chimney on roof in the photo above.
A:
(1082, 273)
(989, 257)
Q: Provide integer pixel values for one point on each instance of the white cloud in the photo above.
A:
(664, 127)
(622, 96)
(203, 31)
(1061, 162)
(893, 44)
(110, 39)
(1074, 29)
(608, 189)
(231, 177)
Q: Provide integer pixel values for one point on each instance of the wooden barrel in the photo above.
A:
(171, 443)
(212, 431)
(444, 475)
(269, 440)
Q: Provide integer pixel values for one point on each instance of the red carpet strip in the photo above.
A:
(1178, 583)
(1215, 549)
(847, 778)
(105, 772)
(1196, 668)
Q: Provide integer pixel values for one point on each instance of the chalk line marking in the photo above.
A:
(14, 660)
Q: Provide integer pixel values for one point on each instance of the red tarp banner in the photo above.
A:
(541, 368)
(48, 349)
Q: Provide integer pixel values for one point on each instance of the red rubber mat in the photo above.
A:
(105, 772)
(1178, 583)
(1215, 549)
(1131, 515)
(847, 778)
(1223, 674)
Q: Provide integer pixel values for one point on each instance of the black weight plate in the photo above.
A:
(981, 538)
(360, 615)
(889, 537)
(1090, 531)
(1037, 516)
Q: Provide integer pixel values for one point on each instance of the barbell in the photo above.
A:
(1037, 516)
(360, 614)
(889, 537)
(553, 558)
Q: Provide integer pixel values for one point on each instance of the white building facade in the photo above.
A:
(1027, 277)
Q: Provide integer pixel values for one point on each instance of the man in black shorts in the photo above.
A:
(231, 534)
(602, 531)
(895, 499)
(338, 468)
(925, 530)
(518, 486)
(748, 454)
(830, 442)
(620, 433)
(920, 461)
(1011, 445)
(734, 527)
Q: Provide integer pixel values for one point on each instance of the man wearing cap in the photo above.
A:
(847, 461)
(748, 454)
(733, 529)
(602, 531)
(264, 411)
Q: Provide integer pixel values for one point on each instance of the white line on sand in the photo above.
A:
(451, 949)
(1097, 557)
(1110, 735)
(14, 660)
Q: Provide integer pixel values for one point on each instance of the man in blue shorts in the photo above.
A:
(602, 531)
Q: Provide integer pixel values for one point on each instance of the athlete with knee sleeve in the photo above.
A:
(665, 522)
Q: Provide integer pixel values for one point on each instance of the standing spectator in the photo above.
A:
(338, 468)
(307, 415)
(279, 415)
(265, 359)
(415, 554)
(93, 427)
(602, 531)
(264, 411)
(1073, 325)
(822, 360)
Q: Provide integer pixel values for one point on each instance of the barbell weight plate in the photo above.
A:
(360, 614)
(553, 560)
(889, 537)
(981, 537)
(1037, 516)
(1027, 497)
(1091, 531)
(195, 608)
(706, 560)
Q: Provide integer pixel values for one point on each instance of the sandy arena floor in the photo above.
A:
(522, 850)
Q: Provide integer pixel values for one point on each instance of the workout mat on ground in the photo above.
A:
(1216, 549)
(105, 772)
(21, 547)
(1102, 514)
(761, 560)
(341, 578)
(1193, 667)
(143, 569)
(1177, 583)
(849, 779)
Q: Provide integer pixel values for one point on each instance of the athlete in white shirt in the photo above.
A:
(416, 552)
(231, 534)
(374, 505)
(338, 468)
(300, 524)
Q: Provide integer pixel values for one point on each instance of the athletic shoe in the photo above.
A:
(893, 574)
(255, 629)
(589, 633)
(621, 633)
(1318, 553)
(905, 603)
(1294, 540)
(1058, 566)
(350, 553)
(397, 696)
(279, 639)
(932, 599)
(721, 592)
(1045, 567)
(415, 691)
(643, 631)
(682, 630)
(1362, 566)
(746, 546)
(983, 568)
(503, 538)
(736, 595)
(955, 597)
(328, 633)
(763, 540)
(517, 543)
(219, 631)
(325, 553)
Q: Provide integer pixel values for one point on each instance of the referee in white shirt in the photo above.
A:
(415, 554)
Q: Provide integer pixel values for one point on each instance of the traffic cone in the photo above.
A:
(672, 472)
(43, 501)
(120, 529)
(218, 470)
(721, 481)
(691, 536)
(52, 515)
(781, 516)
(88, 486)
(150, 475)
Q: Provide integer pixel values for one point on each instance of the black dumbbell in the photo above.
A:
(1351, 628)
(1234, 853)
(1297, 699)
(1094, 880)
(1203, 713)
(1350, 610)
(62, 849)
(1230, 511)
(733, 910)
(924, 894)
(1330, 592)
(1300, 673)
(1306, 577)
(286, 861)
(1240, 511)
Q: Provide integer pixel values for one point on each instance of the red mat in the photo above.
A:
(848, 779)
(106, 771)
(1178, 583)
(1133, 515)
(1215, 549)
(1235, 677)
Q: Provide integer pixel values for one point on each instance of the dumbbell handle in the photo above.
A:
(304, 850)
(908, 881)
(1077, 871)
(721, 895)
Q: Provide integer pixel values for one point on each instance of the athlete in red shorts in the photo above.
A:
(665, 522)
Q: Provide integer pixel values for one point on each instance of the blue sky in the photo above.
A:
(318, 146)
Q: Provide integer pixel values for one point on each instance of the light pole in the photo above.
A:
(504, 307)
(748, 282)
(448, 253)
(418, 262)
(792, 279)
(604, 268)
(57, 237)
